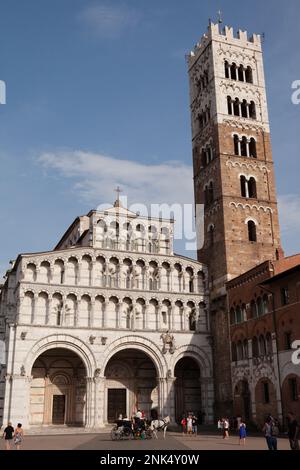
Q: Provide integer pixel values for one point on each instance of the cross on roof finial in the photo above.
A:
(118, 190)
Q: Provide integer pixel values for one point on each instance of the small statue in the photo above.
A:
(168, 340)
(97, 373)
(92, 339)
(22, 370)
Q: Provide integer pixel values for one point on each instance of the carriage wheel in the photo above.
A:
(115, 435)
(149, 433)
(127, 433)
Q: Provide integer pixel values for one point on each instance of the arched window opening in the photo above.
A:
(253, 307)
(260, 306)
(245, 347)
(269, 345)
(229, 105)
(262, 346)
(236, 144)
(252, 231)
(239, 316)
(249, 75)
(236, 107)
(232, 316)
(244, 109)
(244, 145)
(252, 110)
(211, 192)
(241, 73)
(252, 188)
(252, 148)
(265, 304)
(243, 182)
(233, 71)
(233, 352)
(240, 352)
(226, 66)
(255, 349)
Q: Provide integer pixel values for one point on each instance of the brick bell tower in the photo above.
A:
(233, 173)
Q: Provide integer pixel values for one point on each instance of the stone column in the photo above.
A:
(158, 317)
(247, 147)
(92, 313)
(201, 325)
(99, 401)
(89, 403)
(93, 274)
(47, 401)
(248, 111)
(185, 310)
(146, 314)
(33, 308)
(172, 317)
(118, 308)
(79, 273)
(239, 147)
(161, 396)
(240, 109)
(244, 74)
(77, 313)
(207, 399)
(277, 384)
(170, 392)
(17, 399)
(104, 314)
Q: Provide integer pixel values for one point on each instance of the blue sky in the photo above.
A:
(105, 82)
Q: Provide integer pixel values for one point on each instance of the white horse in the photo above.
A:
(160, 425)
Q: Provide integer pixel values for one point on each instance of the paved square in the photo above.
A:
(173, 441)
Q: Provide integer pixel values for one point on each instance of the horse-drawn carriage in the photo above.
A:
(139, 430)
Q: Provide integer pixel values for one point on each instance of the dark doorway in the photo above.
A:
(116, 403)
(58, 410)
(187, 388)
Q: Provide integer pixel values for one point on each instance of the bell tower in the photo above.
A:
(233, 171)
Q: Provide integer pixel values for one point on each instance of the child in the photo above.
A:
(242, 433)
(183, 425)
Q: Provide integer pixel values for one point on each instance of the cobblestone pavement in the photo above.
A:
(173, 441)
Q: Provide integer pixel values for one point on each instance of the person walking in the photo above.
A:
(8, 435)
(189, 424)
(225, 428)
(293, 431)
(195, 424)
(18, 436)
(242, 433)
(267, 430)
(183, 425)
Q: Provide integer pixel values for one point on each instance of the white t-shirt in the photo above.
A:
(138, 414)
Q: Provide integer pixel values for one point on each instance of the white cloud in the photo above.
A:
(109, 20)
(95, 176)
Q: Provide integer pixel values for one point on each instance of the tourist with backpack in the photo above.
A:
(293, 431)
(271, 432)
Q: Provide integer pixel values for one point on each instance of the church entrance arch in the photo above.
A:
(58, 389)
(187, 389)
(131, 384)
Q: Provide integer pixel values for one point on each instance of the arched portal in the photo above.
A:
(187, 388)
(242, 400)
(58, 389)
(131, 384)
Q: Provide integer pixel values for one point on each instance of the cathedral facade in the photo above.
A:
(108, 322)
